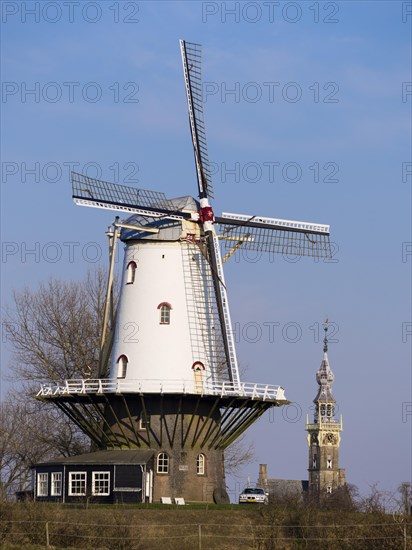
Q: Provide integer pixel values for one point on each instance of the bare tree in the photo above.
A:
(238, 454)
(29, 433)
(15, 449)
(55, 330)
(378, 501)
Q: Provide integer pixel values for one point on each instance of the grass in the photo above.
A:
(217, 527)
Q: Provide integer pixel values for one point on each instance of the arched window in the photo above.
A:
(198, 366)
(131, 272)
(162, 463)
(200, 464)
(122, 366)
(164, 308)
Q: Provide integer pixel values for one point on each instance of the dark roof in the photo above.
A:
(324, 378)
(105, 457)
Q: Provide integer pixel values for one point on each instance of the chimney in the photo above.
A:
(263, 475)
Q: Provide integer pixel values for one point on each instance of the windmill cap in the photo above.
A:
(169, 229)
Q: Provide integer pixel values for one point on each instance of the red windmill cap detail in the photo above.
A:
(206, 214)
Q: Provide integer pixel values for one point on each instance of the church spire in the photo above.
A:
(325, 378)
(325, 476)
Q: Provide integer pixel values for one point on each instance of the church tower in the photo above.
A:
(325, 476)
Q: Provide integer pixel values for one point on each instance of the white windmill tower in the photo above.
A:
(169, 378)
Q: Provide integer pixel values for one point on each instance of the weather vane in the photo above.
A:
(325, 340)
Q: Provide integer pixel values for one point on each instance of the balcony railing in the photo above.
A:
(85, 386)
(331, 426)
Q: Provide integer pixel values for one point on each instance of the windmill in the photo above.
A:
(168, 375)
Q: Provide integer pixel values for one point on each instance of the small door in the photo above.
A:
(198, 370)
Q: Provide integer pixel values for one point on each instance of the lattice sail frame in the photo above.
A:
(192, 69)
(94, 193)
(276, 241)
(273, 235)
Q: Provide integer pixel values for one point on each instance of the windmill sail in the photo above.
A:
(275, 235)
(121, 198)
(192, 68)
(191, 59)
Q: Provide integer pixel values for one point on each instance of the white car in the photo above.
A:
(252, 495)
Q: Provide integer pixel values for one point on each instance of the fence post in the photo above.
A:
(47, 535)
(200, 536)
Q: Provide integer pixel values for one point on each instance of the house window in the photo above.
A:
(101, 483)
(164, 308)
(122, 366)
(162, 463)
(42, 481)
(329, 463)
(131, 273)
(200, 465)
(56, 484)
(77, 483)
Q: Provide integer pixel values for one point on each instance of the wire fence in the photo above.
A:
(125, 534)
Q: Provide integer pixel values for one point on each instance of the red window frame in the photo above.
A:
(198, 364)
(169, 308)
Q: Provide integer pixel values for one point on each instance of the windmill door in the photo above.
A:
(198, 370)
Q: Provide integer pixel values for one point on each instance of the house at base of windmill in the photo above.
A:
(111, 477)
(120, 477)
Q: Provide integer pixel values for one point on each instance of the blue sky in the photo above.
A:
(318, 98)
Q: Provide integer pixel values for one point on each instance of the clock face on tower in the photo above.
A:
(330, 439)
